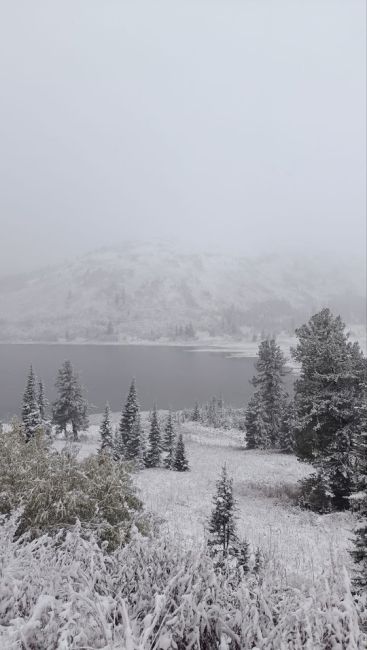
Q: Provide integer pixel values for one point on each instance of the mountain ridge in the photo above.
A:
(153, 291)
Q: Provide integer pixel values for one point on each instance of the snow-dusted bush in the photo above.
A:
(55, 489)
(64, 592)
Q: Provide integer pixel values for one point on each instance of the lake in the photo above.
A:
(170, 376)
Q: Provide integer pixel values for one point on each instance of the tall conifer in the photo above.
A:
(70, 407)
(180, 462)
(169, 441)
(31, 416)
(153, 455)
(222, 527)
(265, 411)
(128, 421)
(106, 432)
(329, 394)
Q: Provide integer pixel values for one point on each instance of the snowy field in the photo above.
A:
(301, 544)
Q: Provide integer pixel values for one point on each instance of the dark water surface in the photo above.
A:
(170, 376)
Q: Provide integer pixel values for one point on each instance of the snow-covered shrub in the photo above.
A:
(55, 489)
(64, 592)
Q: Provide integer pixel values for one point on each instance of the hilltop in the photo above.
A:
(159, 292)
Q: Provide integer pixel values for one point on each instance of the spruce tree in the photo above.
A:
(70, 407)
(153, 455)
(106, 432)
(328, 398)
(128, 421)
(256, 424)
(180, 462)
(134, 445)
(222, 526)
(42, 401)
(169, 442)
(196, 413)
(31, 416)
(270, 397)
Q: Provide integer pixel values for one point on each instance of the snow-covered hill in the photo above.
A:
(153, 291)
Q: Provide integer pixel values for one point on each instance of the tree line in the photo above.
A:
(126, 443)
(324, 421)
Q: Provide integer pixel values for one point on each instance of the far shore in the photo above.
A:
(237, 349)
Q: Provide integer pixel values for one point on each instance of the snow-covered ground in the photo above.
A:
(303, 543)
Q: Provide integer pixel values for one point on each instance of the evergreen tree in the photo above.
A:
(106, 432)
(196, 413)
(180, 462)
(70, 406)
(31, 416)
(169, 442)
(328, 397)
(222, 527)
(42, 401)
(256, 424)
(134, 445)
(359, 501)
(153, 455)
(128, 422)
(266, 408)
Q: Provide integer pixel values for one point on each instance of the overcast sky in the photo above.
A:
(234, 124)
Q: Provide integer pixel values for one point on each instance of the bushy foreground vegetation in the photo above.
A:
(65, 592)
(55, 489)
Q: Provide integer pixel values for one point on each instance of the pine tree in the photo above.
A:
(328, 397)
(70, 406)
(180, 462)
(106, 432)
(256, 424)
(169, 442)
(196, 413)
(42, 401)
(153, 455)
(266, 408)
(128, 421)
(31, 416)
(134, 445)
(222, 527)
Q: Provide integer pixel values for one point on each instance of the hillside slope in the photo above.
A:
(154, 291)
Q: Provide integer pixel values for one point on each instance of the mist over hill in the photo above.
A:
(158, 292)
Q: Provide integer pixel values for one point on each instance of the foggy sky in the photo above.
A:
(234, 124)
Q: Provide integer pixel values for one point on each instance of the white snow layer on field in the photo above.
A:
(304, 543)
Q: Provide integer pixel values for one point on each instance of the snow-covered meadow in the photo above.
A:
(302, 544)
